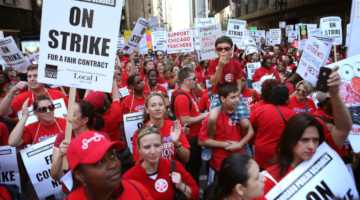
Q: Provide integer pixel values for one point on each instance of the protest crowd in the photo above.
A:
(265, 118)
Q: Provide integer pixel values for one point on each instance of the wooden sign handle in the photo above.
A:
(69, 118)
(62, 90)
(335, 53)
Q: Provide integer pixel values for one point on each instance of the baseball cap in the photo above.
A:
(88, 148)
(96, 99)
(322, 96)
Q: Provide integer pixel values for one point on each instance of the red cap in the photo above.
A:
(96, 99)
(88, 148)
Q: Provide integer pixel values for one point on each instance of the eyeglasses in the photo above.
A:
(221, 49)
(243, 80)
(160, 54)
(44, 109)
(146, 126)
(191, 78)
(119, 74)
(138, 82)
(301, 91)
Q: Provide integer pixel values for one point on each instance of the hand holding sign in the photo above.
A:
(175, 132)
(63, 147)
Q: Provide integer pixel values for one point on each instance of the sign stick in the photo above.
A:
(69, 118)
(335, 53)
(62, 90)
(232, 55)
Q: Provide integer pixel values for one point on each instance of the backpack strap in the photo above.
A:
(173, 162)
(253, 95)
(280, 113)
(135, 188)
(183, 93)
(267, 175)
(306, 105)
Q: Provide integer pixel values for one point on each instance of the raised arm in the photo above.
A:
(176, 59)
(15, 138)
(132, 64)
(196, 59)
(5, 106)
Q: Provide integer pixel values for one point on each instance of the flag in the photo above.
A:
(354, 41)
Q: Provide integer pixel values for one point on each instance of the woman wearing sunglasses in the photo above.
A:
(174, 140)
(152, 82)
(300, 103)
(48, 126)
(154, 172)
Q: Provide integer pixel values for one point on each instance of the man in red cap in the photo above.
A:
(92, 160)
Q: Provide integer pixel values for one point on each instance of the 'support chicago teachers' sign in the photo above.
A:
(78, 43)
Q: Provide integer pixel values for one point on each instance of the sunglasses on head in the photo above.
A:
(221, 49)
(301, 91)
(191, 78)
(146, 126)
(44, 109)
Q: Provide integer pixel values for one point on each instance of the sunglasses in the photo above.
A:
(191, 78)
(119, 74)
(221, 49)
(160, 54)
(138, 82)
(301, 91)
(44, 109)
(146, 126)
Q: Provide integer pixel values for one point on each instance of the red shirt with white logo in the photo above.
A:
(182, 108)
(45, 132)
(138, 105)
(249, 98)
(301, 107)
(168, 150)
(161, 187)
(226, 130)
(157, 88)
(262, 72)
(230, 73)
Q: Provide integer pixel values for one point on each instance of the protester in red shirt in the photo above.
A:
(84, 119)
(270, 120)
(274, 62)
(149, 64)
(120, 83)
(97, 171)
(168, 75)
(155, 114)
(303, 134)
(153, 172)
(47, 127)
(281, 69)
(250, 96)
(289, 62)
(277, 53)
(160, 67)
(300, 103)
(4, 82)
(205, 101)
(152, 82)
(4, 134)
(265, 69)
(266, 88)
(239, 178)
(227, 138)
(122, 60)
(10, 104)
(173, 82)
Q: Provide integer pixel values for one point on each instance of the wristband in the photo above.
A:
(178, 146)
(9, 96)
(184, 188)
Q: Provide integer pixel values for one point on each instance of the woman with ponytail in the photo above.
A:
(239, 178)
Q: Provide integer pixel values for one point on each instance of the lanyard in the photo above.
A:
(39, 128)
(46, 92)
(132, 101)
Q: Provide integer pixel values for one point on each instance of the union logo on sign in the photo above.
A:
(161, 185)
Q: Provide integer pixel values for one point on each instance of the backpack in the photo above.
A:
(172, 115)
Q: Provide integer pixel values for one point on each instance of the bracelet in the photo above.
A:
(10, 96)
(184, 188)
(178, 146)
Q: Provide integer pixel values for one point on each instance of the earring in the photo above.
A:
(84, 184)
(324, 107)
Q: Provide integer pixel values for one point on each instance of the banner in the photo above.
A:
(275, 35)
(260, 33)
(36, 57)
(132, 122)
(136, 35)
(331, 26)
(11, 54)
(354, 43)
(121, 42)
(9, 169)
(143, 45)
(282, 25)
(350, 92)
(288, 29)
(251, 68)
(257, 41)
(312, 59)
(201, 22)
(78, 43)
(324, 176)
(180, 41)
(328, 41)
(249, 33)
(207, 37)
(268, 38)
(153, 23)
(297, 26)
(158, 41)
(37, 160)
(148, 39)
(236, 31)
(314, 32)
(250, 45)
(292, 35)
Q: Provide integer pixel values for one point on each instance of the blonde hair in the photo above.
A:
(149, 129)
(308, 86)
(146, 116)
(117, 67)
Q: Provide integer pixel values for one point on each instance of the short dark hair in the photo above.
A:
(152, 70)
(184, 73)
(224, 39)
(226, 88)
(266, 88)
(131, 80)
(279, 95)
(264, 61)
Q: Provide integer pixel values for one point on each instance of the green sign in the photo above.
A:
(253, 28)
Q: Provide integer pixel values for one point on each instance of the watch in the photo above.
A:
(178, 146)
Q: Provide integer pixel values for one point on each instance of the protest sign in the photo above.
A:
(317, 178)
(275, 35)
(292, 35)
(1, 34)
(282, 25)
(76, 45)
(295, 44)
(297, 26)
(148, 39)
(143, 45)
(250, 45)
(304, 34)
(11, 54)
(260, 33)
(249, 33)
(180, 41)
(236, 31)
(201, 22)
(136, 35)
(153, 23)
(36, 57)
(132, 122)
(257, 85)
(127, 35)
(207, 37)
(158, 41)
(251, 68)
(159, 29)
(314, 32)
(60, 111)
(349, 91)
(331, 26)
(288, 29)
(347, 35)
(224, 33)
(257, 41)
(328, 41)
(121, 42)
(37, 160)
(311, 60)
(9, 169)
(353, 48)
(268, 38)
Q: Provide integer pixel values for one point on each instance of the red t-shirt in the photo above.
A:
(138, 105)
(168, 150)
(270, 127)
(158, 88)
(291, 88)
(199, 78)
(290, 67)
(67, 95)
(320, 113)
(230, 73)
(269, 184)
(124, 61)
(301, 107)
(205, 101)
(160, 79)
(125, 76)
(262, 72)
(18, 101)
(226, 130)
(279, 57)
(45, 132)
(173, 87)
(182, 108)
(111, 117)
(4, 134)
(249, 98)
(260, 103)
(130, 192)
(161, 187)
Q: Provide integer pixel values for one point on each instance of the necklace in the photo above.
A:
(132, 101)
